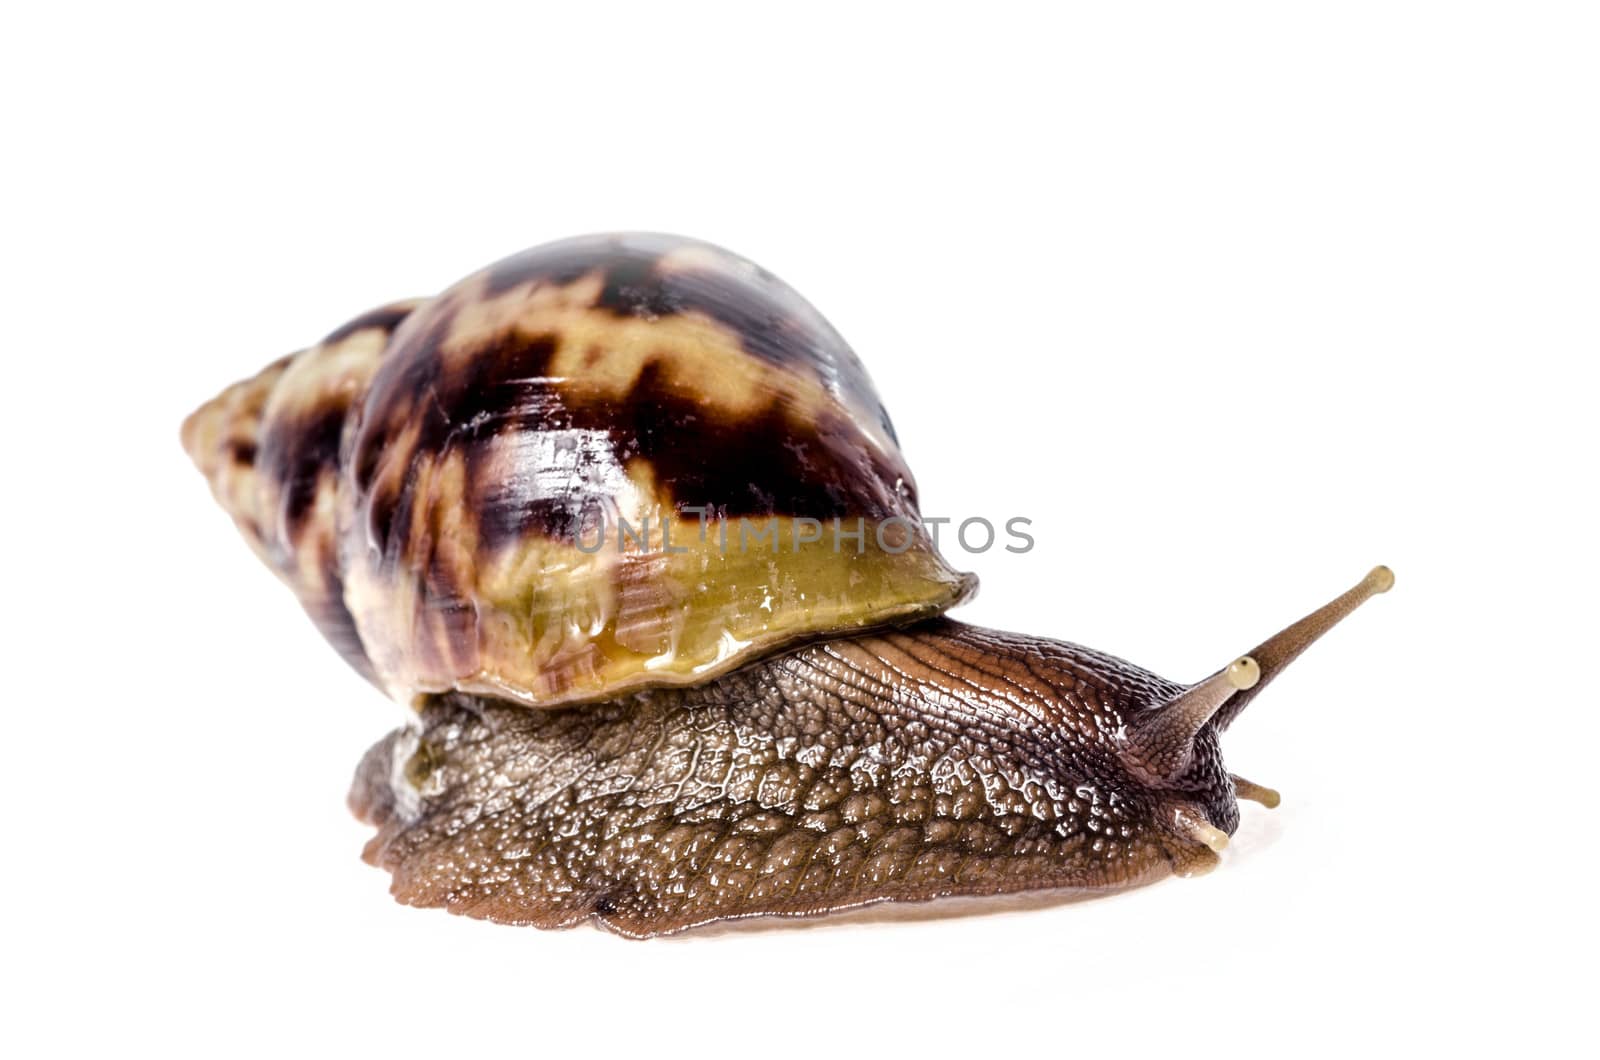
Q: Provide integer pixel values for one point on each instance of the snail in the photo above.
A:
(624, 522)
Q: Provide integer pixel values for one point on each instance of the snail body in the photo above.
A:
(660, 731)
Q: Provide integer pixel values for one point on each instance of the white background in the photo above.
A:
(1233, 300)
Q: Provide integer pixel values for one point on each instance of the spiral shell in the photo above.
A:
(270, 447)
(608, 463)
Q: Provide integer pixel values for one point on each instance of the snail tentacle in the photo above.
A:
(1282, 648)
(1259, 793)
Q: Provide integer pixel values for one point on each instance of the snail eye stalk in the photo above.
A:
(1160, 742)
(1283, 648)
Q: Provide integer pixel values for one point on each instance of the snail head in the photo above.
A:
(1173, 745)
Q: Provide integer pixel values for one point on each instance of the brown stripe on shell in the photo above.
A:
(222, 436)
(516, 353)
(542, 460)
(271, 448)
(385, 318)
(650, 276)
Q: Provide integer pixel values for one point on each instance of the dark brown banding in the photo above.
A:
(481, 393)
(282, 434)
(297, 450)
(385, 318)
(641, 279)
(337, 624)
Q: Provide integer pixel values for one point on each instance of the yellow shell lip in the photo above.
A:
(737, 617)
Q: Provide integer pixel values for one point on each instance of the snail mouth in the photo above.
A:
(1194, 842)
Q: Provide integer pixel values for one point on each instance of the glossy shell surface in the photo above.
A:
(270, 447)
(609, 463)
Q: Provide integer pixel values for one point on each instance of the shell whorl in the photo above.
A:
(436, 477)
(270, 447)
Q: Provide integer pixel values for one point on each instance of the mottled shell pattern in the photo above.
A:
(532, 485)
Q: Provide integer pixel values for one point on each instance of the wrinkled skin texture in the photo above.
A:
(941, 760)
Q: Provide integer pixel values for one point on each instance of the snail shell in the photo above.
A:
(444, 484)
